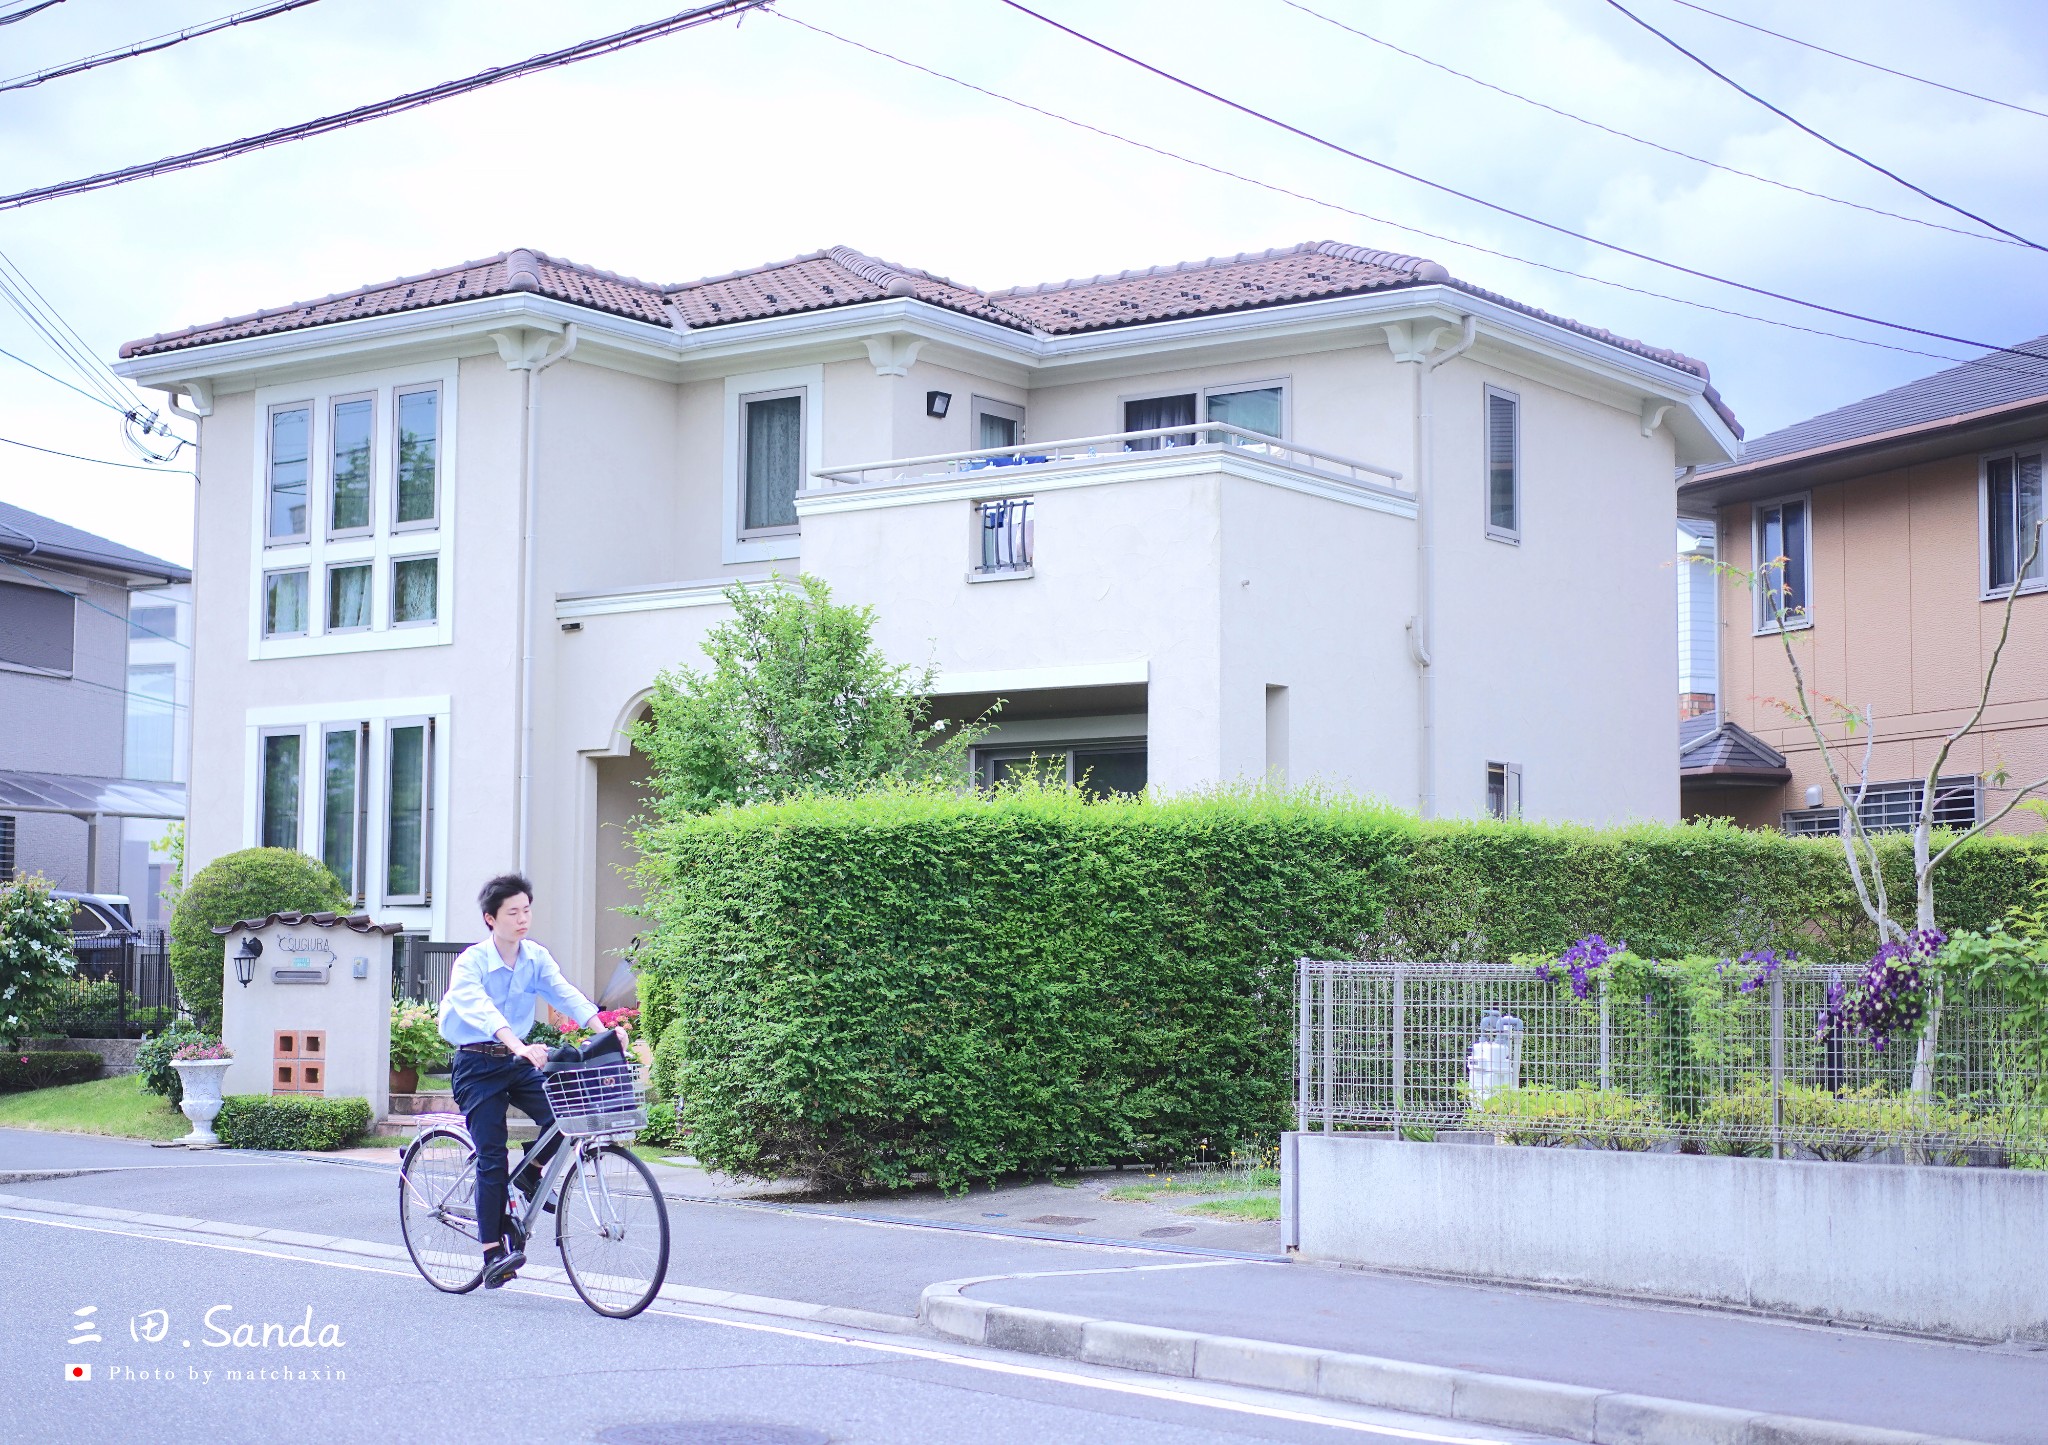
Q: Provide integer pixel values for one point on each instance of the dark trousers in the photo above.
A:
(484, 1085)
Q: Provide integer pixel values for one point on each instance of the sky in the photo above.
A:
(732, 145)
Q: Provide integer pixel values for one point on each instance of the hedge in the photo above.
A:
(252, 883)
(291, 1121)
(39, 1069)
(963, 987)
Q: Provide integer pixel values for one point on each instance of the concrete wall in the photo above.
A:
(1945, 1251)
(354, 1013)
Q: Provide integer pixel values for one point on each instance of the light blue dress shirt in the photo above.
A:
(485, 995)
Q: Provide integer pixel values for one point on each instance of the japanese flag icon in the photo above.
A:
(78, 1372)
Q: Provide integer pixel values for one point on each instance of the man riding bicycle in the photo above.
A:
(487, 1013)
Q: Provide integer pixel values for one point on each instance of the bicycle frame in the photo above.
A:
(463, 1189)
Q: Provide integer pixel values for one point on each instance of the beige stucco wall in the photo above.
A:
(1899, 627)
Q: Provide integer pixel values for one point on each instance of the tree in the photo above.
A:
(254, 883)
(797, 698)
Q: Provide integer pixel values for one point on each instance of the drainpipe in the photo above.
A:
(532, 359)
(1421, 627)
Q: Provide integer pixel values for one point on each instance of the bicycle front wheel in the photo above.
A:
(611, 1225)
(437, 1210)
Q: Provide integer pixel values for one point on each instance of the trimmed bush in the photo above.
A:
(153, 1061)
(909, 984)
(664, 1090)
(253, 883)
(42, 1068)
(290, 1121)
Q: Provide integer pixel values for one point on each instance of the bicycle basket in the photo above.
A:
(600, 1099)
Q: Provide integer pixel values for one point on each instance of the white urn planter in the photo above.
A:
(202, 1080)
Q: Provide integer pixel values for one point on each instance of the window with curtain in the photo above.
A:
(284, 604)
(278, 826)
(1783, 560)
(1503, 464)
(2012, 519)
(1153, 412)
(408, 756)
(996, 431)
(341, 803)
(152, 731)
(348, 597)
(1256, 409)
(415, 590)
(290, 437)
(349, 504)
(419, 458)
(772, 463)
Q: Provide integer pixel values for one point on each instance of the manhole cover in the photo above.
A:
(710, 1432)
(1172, 1231)
(1060, 1219)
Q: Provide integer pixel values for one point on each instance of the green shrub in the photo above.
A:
(291, 1121)
(1569, 1118)
(153, 1061)
(664, 1089)
(35, 954)
(253, 883)
(39, 1069)
(75, 999)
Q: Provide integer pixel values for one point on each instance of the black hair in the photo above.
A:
(499, 889)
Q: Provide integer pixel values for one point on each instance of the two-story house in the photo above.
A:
(1320, 513)
(71, 707)
(1895, 528)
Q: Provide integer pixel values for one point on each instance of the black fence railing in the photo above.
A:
(122, 988)
(419, 967)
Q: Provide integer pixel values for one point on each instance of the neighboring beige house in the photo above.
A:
(1903, 519)
(1319, 513)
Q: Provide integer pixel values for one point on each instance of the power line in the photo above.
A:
(1500, 209)
(13, 16)
(151, 45)
(1867, 64)
(1787, 116)
(1641, 140)
(413, 100)
(100, 462)
(42, 581)
(1338, 206)
(89, 396)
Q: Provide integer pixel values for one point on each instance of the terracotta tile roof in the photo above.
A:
(842, 276)
(353, 922)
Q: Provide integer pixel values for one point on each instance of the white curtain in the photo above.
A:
(348, 598)
(775, 460)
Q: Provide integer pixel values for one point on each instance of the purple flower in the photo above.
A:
(1580, 961)
(1888, 999)
(1763, 962)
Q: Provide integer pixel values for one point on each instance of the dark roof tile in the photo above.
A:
(24, 533)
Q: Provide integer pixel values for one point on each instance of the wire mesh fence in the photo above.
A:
(1740, 1063)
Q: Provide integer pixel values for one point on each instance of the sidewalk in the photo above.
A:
(1282, 1323)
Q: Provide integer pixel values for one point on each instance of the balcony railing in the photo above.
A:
(1036, 459)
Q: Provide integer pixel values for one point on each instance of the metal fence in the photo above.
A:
(419, 968)
(121, 989)
(1744, 1063)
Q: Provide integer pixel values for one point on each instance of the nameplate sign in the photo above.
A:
(298, 975)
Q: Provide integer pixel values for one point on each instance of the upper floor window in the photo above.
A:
(1151, 413)
(152, 624)
(1784, 564)
(38, 628)
(348, 505)
(2013, 544)
(291, 429)
(1253, 408)
(418, 501)
(771, 460)
(997, 424)
(1257, 408)
(1504, 790)
(1503, 465)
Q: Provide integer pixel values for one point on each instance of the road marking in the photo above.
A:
(916, 1352)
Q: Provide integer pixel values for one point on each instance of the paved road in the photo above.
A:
(411, 1363)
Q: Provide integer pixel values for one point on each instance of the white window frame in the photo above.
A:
(327, 629)
(1986, 590)
(1512, 536)
(803, 431)
(1510, 790)
(736, 544)
(398, 395)
(262, 793)
(369, 528)
(358, 840)
(391, 602)
(311, 407)
(980, 406)
(425, 897)
(1283, 384)
(313, 615)
(1765, 621)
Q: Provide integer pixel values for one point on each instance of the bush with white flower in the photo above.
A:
(35, 952)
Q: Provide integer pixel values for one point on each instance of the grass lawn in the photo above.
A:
(114, 1105)
(1263, 1207)
(1200, 1181)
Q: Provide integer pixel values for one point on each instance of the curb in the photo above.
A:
(1575, 1412)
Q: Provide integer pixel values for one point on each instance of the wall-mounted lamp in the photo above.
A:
(936, 402)
(246, 956)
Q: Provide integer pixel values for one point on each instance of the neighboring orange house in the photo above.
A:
(1902, 519)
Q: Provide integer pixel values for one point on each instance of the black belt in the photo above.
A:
(495, 1050)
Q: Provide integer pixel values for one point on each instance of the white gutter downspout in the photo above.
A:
(531, 357)
(1415, 342)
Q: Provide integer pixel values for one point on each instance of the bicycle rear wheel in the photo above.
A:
(611, 1225)
(437, 1210)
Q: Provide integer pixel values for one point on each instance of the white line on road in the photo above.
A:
(916, 1352)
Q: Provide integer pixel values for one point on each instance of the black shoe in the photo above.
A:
(501, 1265)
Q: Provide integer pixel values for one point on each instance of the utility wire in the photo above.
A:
(412, 100)
(2021, 369)
(151, 45)
(101, 462)
(1866, 64)
(37, 577)
(89, 396)
(13, 16)
(58, 334)
(1831, 143)
(1640, 140)
(1500, 209)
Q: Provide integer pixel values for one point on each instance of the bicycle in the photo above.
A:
(611, 1223)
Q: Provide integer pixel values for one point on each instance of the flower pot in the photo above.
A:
(405, 1081)
(202, 1080)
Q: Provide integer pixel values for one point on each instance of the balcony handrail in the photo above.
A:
(1051, 453)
